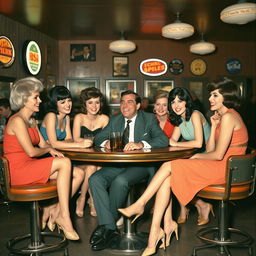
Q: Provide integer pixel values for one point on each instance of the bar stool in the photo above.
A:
(240, 183)
(38, 242)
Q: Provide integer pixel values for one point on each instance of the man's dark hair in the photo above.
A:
(5, 103)
(137, 96)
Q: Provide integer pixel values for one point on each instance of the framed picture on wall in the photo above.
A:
(82, 52)
(151, 87)
(120, 66)
(115, 87)
(76, 85)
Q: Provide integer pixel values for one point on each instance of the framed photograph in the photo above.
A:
(76, 85)
(5, 89)
(151, 87)
(82, 52)
(113, 110)
(120, 66)
(115, 87)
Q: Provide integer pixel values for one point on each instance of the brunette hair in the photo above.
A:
(184, 95)
(57, 93)
(229, 90)
(137, 96)
(90, 93)
(22, 89)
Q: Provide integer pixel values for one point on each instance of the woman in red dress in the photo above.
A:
(23, 143)
(185, 177)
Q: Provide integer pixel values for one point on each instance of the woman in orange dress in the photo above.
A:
(185, 177)
(23, 143)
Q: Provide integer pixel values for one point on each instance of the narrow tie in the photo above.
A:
(126, 133)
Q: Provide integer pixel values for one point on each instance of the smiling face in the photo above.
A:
(128, 106)
(179, 106)
(93, 106)
(161, 106)
(33, 102)
(216, 100)
(64, 106)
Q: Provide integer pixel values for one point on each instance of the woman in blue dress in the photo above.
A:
(88, 124)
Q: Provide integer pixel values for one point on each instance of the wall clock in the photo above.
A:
(198, 67)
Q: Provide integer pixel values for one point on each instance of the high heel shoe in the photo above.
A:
(51, 224)
(174, 228)
(43, 225)
(201, 221)
(92, 208)
(80, 213)
(151, 251)
(128, 214)
(69, 235)
(183, 220)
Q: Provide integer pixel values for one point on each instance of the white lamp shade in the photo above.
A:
(122, 46)
(239, 13)
(202, 48)
(177, 30)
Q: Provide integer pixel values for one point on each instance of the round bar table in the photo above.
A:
(129, 240)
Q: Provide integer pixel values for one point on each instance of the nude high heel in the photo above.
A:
(151, 251)
(204, 222)
(125, 212)
(51, 224)
(183, 220)
(69, 235)
(174, 228)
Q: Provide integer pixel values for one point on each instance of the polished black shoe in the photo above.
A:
(108, 236)
(97, 234)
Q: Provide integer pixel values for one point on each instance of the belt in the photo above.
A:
(239, 145)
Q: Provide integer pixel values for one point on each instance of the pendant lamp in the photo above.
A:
(177, 30)
(202, 47)
(240, 13)
(122, 45)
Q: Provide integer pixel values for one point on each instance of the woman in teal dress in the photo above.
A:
(194, 129)
(88, 124)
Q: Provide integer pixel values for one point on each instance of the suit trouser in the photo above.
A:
(109, 188)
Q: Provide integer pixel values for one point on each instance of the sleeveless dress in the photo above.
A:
(84, 130)
(187, 129)
(189, 176)
(61, 135)
(24, 169)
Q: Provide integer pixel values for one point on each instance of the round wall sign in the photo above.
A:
(32, 57)
(233, 66)
(7, 52)
(176, 66)
(198, 67)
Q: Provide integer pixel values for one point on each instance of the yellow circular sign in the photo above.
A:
(198, 67)
(7, 52)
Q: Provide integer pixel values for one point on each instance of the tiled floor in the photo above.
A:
(243, 216)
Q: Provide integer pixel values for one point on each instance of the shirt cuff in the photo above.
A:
(103, 144)
(145, 144)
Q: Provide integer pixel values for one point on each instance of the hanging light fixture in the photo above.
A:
(240, 13)
(202, 47)
(177, 30)
(122, 45)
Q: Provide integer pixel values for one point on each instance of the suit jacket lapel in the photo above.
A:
(139, 127)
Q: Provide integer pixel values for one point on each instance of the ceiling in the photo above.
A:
(140, 19)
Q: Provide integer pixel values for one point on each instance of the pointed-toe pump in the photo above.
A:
(69, 235)
(183, 220)
(128, 214)
(151, 251)
(51, 224)
(204, 222)
(174, 228)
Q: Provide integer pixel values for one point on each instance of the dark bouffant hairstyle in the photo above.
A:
(90, 93)
(184, 95)
(137, 96)
(229, 90)
(57, 93)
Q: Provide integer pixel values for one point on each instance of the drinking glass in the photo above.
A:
(115, 140)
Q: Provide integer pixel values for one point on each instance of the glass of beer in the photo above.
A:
(115, 140)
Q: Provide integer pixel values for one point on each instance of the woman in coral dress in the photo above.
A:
(185, 177)
(23, 143)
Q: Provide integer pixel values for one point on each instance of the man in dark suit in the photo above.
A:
(110, 185)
